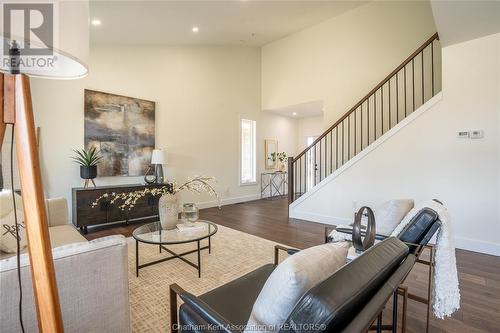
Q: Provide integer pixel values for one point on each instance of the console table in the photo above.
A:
(84, 215)
(274, 184)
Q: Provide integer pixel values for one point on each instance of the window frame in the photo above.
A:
(254, 144)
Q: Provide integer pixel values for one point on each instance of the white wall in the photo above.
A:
(340, 60)
(307, 127)
(426, 159)
(200, 95)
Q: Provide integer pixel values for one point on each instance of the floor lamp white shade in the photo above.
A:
(68, 27)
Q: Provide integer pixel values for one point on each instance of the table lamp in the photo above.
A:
(46, 39)
(158, 159)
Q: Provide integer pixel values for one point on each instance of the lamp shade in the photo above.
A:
(159, 157)
(52, 37)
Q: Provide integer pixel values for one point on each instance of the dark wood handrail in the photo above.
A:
(373, 91)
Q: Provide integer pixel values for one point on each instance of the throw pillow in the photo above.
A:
(390, 214)
(6, 205)
(8, 240)
(291, 280)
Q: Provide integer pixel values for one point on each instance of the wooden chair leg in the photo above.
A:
(405, 307)
(395, 311)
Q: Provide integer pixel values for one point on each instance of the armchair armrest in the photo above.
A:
(363, 233)
(277, 248)
(210, 316)
(175, 290)
(213, 320)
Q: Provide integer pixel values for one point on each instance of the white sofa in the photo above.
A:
(92, 279)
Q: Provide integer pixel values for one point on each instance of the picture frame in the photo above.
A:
(123, 129)
(271, 146)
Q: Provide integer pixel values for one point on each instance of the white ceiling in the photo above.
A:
(459, 21)
(303, 110)
(236, 22)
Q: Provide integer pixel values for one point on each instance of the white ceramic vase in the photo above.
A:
(168, 209)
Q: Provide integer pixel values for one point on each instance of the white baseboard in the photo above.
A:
(477, 246)
(325, 219)
(228, 201)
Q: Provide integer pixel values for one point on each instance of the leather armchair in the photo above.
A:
(348, 301)
(416, 234)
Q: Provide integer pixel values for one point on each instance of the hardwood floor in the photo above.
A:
(479, 274)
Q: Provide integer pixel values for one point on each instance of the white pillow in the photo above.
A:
(8, 241)
(390, 214)
(293, 278)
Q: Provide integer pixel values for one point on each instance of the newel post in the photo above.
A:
(290, 180)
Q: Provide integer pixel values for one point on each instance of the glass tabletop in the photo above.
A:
(153, 233)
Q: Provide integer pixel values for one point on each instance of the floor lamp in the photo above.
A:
(60, 50)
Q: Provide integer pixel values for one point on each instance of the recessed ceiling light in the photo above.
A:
(195, 29)
(96, 22)
(295, 113)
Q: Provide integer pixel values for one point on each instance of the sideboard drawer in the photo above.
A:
(85, 214)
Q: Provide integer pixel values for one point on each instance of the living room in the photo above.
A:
(200, 145)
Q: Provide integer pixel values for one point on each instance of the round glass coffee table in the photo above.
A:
(152, 233)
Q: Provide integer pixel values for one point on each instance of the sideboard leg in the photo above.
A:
(136, 258)
(199, 260)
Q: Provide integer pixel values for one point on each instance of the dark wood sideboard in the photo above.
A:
(84, 215)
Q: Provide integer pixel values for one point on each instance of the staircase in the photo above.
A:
(404, 90)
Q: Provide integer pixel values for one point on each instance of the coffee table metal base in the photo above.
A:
(174, 255)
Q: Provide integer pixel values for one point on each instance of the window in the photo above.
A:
(248, 174)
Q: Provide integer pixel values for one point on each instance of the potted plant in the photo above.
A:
(88, 160)
(281, 158)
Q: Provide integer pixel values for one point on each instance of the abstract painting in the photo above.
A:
(123, 129)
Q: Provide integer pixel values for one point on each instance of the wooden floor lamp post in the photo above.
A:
(16, 109)
(68, 61)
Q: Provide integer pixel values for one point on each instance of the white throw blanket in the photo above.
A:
(445, 293)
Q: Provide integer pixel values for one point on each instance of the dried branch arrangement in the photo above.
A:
(128, 200)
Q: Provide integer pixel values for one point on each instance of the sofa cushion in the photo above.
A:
(64, 234)
(291, 280)
(59, 236)
(57, 211)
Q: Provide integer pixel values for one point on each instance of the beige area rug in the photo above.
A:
(234, 254)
